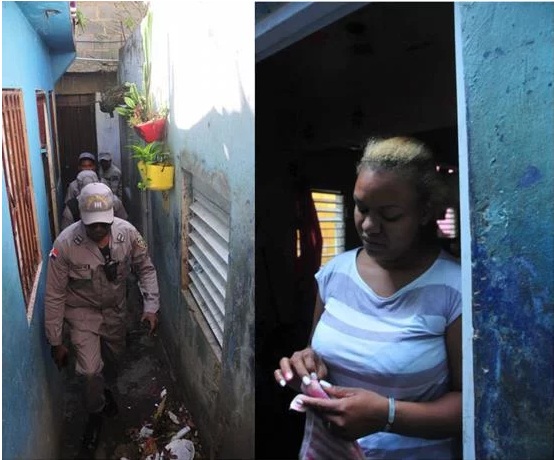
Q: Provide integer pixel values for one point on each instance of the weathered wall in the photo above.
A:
(106, 26)
(85, 83)
(203, 67)
(130, 58)
(107, 134)
(31, 386)
(508, 62)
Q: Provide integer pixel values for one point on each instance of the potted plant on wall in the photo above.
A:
(138, 106)
(155, 168)
(137, 109)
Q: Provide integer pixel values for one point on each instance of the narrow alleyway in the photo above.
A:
(150, 411)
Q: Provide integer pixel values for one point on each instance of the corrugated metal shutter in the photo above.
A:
(209, 259)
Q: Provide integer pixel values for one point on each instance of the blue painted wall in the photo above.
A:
(508, 59)
(31, 395)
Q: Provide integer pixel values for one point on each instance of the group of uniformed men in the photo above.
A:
(88, 268)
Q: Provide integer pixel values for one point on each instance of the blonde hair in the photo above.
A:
(411, 159)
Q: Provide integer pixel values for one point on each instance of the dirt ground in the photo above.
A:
(150, 411)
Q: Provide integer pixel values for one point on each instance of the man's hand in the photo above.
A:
(152, 319)
(60, 354)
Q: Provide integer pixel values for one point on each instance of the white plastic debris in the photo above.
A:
(163, 393)
(145, 432)
(173, 417)
(180, 433)
(181, 449)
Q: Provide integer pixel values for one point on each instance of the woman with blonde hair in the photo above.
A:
(386, 336)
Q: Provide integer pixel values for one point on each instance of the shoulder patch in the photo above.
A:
(78, 240)
(54, 254)
(120, 237)
(140, 243)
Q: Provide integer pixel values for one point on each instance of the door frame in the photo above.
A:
(294, 21)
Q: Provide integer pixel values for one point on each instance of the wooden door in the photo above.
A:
(77, 131)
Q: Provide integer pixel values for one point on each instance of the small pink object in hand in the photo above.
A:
(319, 443)
(314, 389)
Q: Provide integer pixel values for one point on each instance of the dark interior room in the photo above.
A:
(386, 69)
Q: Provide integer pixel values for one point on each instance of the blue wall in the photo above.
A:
(508, 61)
(31, 397)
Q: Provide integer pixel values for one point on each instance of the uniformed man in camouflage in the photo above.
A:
(110, 174)
(71, 211)
(87, 162)
(85, 289)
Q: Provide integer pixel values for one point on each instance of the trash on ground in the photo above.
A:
(173, 417)
(180, 433)
(167, 435)
(180, 449)
(160, 409)
(146, 431)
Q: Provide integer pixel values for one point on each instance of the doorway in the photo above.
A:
(384, 69)
(77, 132)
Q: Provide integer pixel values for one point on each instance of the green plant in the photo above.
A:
(146, 29)
(138, 106)
(135, 107)
(142, 185)
(80, 20)
(152, 153)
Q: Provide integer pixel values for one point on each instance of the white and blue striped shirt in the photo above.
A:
(393, 345)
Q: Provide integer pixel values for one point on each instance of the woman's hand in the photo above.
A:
(351, 412)
(299, 367)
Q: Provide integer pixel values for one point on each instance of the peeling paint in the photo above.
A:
(531, 176)
(512, 243)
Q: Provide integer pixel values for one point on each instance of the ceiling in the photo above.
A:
(385, 68)
(381, 34)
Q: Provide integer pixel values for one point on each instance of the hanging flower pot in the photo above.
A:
(150, 131)
(141, 165)
(159, 177)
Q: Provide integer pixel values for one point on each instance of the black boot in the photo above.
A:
(91, 436)
(110, 408)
